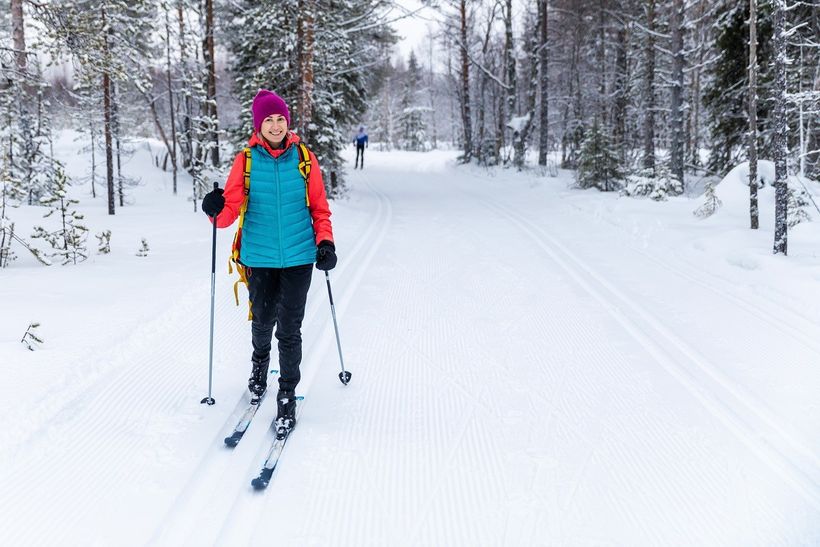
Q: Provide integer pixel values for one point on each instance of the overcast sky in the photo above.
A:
(412, 30)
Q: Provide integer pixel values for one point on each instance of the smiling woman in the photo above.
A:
(276, 191)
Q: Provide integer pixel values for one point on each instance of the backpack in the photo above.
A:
(233, 262)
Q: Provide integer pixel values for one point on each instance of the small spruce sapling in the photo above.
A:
(68, 241)
(710, 204)
(30, 337)
(143, 250)
(104, 239)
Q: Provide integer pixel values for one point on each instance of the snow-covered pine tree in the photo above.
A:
(411, 110)
(26, 131)
(68, 240)
(711, 203)
(104, 242)
(726, 91)
(99, 34)
(143, 250)
(598, 162)
(31, 338)
(345, 48)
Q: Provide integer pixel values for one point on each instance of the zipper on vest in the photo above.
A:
(279, 208)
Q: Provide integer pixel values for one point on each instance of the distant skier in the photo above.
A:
(360, 141)
(284, 227)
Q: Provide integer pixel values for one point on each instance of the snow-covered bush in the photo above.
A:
(658, 187)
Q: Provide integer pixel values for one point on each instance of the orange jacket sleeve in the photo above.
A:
(234, 193)
(319, 208)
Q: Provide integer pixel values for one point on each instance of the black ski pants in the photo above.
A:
(359, 151)
(278, 298)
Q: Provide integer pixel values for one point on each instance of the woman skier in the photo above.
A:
(276, 189)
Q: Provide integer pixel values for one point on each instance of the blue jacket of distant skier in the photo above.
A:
(361, 139)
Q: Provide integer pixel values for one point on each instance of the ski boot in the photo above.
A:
(258, 382)
(286, 415)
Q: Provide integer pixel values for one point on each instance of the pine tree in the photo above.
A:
(343, 50)
(68, 240)
(726, 93)
(411, 117)
(598, 162)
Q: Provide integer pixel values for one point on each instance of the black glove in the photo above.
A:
(326, 256)
(213, 202)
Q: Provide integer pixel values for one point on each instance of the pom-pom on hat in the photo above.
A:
(267, 103)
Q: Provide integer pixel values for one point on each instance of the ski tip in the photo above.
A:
(231, 441)
(300, 397)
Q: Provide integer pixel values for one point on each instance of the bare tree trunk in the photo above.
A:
(115, 131)
(600, 56)
(25, 120)
(677, 91)
(649, 90)
(506, 106)
(305, 41)
(466, 117)
(520, 139)
(187, 152)
(543, 60)
(753, 205)
(93, 159)
(621, 99)
(210, 65)
(781, 147)
(694, 133)
(171, 106)
(109, 153)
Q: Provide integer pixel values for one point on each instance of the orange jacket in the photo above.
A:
(235, 190)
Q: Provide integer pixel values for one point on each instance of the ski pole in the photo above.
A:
(210, 400)
(344, 376)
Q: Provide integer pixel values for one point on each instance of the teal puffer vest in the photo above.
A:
(277, 231)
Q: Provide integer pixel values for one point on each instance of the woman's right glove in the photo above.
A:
(213, 202)
(326, 256)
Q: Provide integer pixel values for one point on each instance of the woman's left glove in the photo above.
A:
(326, 256)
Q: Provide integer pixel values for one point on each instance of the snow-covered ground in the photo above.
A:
(532, 365)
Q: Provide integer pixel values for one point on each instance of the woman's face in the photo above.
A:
(274, 128)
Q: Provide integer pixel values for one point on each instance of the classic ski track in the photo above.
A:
(245, 512)
(95, 420)
(196, 502)
(803, 329)
(707, 386)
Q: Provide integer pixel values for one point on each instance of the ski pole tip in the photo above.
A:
(208, 401)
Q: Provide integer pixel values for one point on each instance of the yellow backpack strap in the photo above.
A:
(304, 168)
(240, 269)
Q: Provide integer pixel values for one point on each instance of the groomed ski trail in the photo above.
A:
(204, 507)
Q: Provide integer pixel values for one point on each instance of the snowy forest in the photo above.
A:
(566, 293)
(637, 96)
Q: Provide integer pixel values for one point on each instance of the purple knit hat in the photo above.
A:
(265, 104)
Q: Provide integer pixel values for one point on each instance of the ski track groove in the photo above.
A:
(94, 420)
(704, 388)
(248, 508)
(771, 313)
